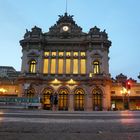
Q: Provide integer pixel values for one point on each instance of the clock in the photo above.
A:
(65, 28)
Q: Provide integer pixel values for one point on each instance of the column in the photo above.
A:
(64, 63)
(71, 102)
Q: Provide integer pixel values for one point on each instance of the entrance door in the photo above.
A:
(63, 99)
(79, 99)
(47, 102)
(97, 99)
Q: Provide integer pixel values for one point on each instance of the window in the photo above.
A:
(83, 66)
(32, 66)
(83, 54)
(53, 66)
(30, 93)
(96, 67)
(63, 99)
(79, 99)
(60, 66)
(46, 63)
(53, 53)
(68, 54)
(68, 66)
(61, 53)
(97, 99)
(46, 53)
(75, 66)
(75, 54)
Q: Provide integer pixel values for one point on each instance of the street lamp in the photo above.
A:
(125, 92)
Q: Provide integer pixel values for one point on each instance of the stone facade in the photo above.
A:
(68, 69)
(68, 62)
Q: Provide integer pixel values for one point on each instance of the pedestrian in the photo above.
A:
(55, 102)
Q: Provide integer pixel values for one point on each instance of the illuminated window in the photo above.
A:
(68, 54)
(46, 53)
(47, 98)
(79, 99)
(83, 66)
(75, 66)
(46, 63)
(61, 53)
(68, 66)
(97, 99)
(83, 54)
(53, 66)
(53, 53)
(30, 93)
(75, 54)
(63, 99)
(32, 66)
(60, 66)
(96, 67)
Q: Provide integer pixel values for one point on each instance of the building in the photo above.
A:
(72, 67)
(69, 62)
(8, 81)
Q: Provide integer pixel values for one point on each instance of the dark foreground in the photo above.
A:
(44, 125)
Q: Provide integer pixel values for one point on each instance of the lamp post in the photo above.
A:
(125, 92)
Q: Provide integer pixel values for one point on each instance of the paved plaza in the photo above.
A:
(47, 125)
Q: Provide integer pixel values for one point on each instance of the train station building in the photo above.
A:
(73, 66)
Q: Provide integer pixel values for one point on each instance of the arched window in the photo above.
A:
(97, 99)
(32, 66)
(96, 67)
(79, 99)
(30, 92)
(47, 98)
(63, 99)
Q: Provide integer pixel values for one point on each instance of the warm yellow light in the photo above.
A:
(56, 81)
(3, 90)
(71, 81)
(90, 74)
(124, 91)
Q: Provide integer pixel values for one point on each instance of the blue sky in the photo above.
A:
(120, 18)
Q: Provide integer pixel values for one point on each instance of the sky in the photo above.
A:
(120, 18)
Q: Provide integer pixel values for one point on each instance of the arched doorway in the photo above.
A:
(47, 94)
(30, 92)
(63, 99)
(79, 99)
(97, 99)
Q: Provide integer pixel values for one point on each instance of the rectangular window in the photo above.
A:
(68, 54)
(46, 53)
(60, 66)
(83, 54)
(61, 53)
(75, 54)
(68, 66)
(83, 66)
(45, 70)
(75, 66)
(53, 53)
(53, 66)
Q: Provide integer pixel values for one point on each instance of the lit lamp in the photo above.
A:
(125, 92)
(2, 90)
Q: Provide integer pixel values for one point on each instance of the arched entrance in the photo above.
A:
(97, 99)
(63, 99)
(79, 99)
(47, 94)
(30, 92)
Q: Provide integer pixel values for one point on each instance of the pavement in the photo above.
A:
(48, 125)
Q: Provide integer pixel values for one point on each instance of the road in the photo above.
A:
(47, 125)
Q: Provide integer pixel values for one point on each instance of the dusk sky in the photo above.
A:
(120, 18)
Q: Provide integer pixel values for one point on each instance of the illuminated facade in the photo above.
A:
(68, 62)
(74, 65)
